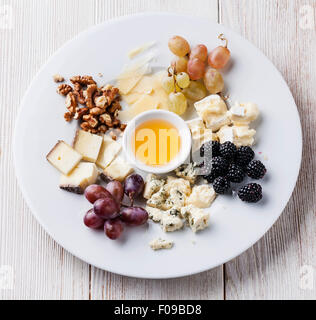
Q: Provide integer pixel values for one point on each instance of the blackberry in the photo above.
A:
(251, 192)
(210, 148)
(227, 150)
(235, 173)
(244, 155)
(219, 166)
(221, 185)
(256, 169)
(210, 177)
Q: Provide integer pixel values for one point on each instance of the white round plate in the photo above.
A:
(234, 225)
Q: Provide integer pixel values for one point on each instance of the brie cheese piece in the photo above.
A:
(88, 145)
(213, 111)
(157, 244)
(63, 157)
(199, 133)
(119, 169)
(85, 174)
(202, 196)
(243, 113)
(239, 135)
(109, 150)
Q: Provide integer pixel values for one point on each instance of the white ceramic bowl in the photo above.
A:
(184, 133)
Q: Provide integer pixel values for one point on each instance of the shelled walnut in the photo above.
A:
(96, 108)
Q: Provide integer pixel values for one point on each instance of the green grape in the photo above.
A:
(195, 91)
(183, 80)
(178, 103)
(168, 84)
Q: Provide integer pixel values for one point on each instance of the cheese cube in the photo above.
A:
(243, 136)
(171, 221)
(213, 103)
(152, 185)
(63, 157)
(243, 113)
(109, 150)
(158, 199)
(119, 169)
(178, 184)
(157, 244)
(176, 199)
(85, 174)
(202, 196)
(198, 219)
(154, 214)
(88, 145)
(188, 172)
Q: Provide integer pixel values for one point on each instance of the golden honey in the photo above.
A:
(156, 142)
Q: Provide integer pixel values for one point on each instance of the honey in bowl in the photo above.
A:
(156, 142)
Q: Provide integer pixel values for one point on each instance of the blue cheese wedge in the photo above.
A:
(179, 184)
(152, 185)
(202, 196)
(158, 244)
(119, 169)
(85, 174)
(154, 214)
(109, 150)
(188, 172)
(176, 199)
(88, 145)
(171, 220)
(197, 218)
(158, 199)
(63, 157)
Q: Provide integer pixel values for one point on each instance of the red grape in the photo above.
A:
(199, 52)
(219, 57)
(95, 192)
(106, 208)
(134, 186)
(134, 216)
(113, 228)
(196, 69)
(93, 221)
(116, 189)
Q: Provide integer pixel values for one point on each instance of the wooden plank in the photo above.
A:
(43, 270)
(208, 285)
(271, 269)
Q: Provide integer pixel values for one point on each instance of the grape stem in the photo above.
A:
(222, 37)
(172, 73)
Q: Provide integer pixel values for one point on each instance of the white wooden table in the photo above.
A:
(284, 30)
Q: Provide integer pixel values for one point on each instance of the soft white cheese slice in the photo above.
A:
(88, 145)
(85, 174)
(109, 150)
(63, 157)
(119, 169)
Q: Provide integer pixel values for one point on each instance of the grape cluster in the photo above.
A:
(225, 164)
(108, 212)
(196, 64)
